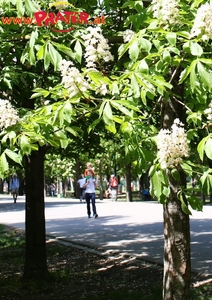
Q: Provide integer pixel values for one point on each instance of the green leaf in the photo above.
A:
(195, 49)
(4, 166)
(143, 96)
(31, 7)
(135, 85)
(183, 204)
(55, 56)
(93, 125)
(123, 49)
(32, 59)
(24, 144)
(186, 168)
(78, 50)
(40, 53)
(195, 202)
(143, 67)
(64, 143)
(14, 156)
(146, 45)
(206, 181)
(64, 49)
(111, 128)
(108, 115)
(172, 38)
(33, 37)
(208, 148)
(193, 80)
(46, 58)
(201, 147)
(175, 174)
(205, 76)
(157, 180)
(20, 8)
(166, 56)
(39, 92)
(187, 71)
(71, 130)
(134, 51)
(195, 117)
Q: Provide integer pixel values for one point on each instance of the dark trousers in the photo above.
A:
(82, 193)
(90, 197)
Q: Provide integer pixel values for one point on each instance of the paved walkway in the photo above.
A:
(134, 228)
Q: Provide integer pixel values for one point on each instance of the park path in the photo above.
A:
(135, 228)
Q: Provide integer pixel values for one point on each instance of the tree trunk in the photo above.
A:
(101, 189)
(128, 183)
(177, 265)
(176, 280)
(1, 186)
(77, 187)
(35, 255)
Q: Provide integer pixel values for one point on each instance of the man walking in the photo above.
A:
(90, 186)
(14, 187)
(81, 182)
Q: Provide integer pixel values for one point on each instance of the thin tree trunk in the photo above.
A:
(35, 255)
(101, 190)
(128, 183)
(77, 187)
(1, 186)
(177, 265)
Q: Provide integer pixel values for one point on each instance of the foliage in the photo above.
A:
(135, 85)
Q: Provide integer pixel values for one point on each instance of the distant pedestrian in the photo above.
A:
(52, 189)
(113, 184)
(81, 182)
(14, 187)
(90, 186)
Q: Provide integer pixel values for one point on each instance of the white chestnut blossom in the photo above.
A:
(208, 112)
(128, 35)
(97, 50)
(172, 145)
(166, 11)
(8, 114)
(202, 26)
(102, 90)
(72, 79)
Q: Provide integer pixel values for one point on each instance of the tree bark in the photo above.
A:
(176, 280)
(101, 189)
(77, 176)
(177, 265)
(128, 183)
(35, 255)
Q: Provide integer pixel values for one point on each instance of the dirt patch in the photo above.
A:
(78, 274)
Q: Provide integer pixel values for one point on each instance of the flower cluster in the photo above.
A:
(128, 35)
(172, 145)
(102, 89)
(8, 114)
(208, 112)
(97, 49)
(72, 79)
(202, 24)
(166, 11)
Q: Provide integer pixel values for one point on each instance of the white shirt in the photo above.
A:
(81, 182)
(90, 188)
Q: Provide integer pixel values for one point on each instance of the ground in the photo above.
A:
(78, 274)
